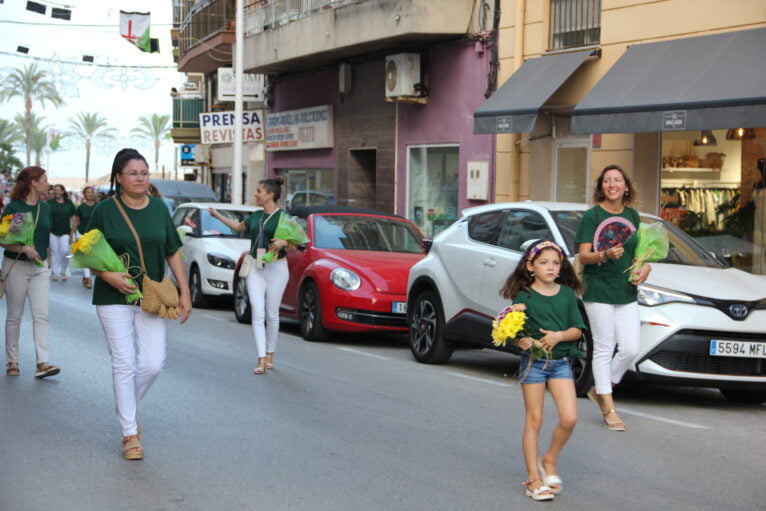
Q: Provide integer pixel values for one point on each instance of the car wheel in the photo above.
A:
(426, 320)
(241, 301)
(195, 284)
(311, 315)
(752, 397)
(582, 368)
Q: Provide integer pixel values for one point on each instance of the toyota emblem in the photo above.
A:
(738, 310)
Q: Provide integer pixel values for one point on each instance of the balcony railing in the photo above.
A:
(203, 19)
(186, 112)
(267, 14)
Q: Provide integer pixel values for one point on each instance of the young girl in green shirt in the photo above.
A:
(544, 286)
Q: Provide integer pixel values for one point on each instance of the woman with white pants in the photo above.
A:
(80, 221)
(135, 339)
(62, 211)
(265, 283)
(25, 280)
(606, 249)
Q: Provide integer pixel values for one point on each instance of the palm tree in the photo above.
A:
(31, 84)
(9, 133)
(38, 140)
(89, 126)
(37, 133)
(153, 127)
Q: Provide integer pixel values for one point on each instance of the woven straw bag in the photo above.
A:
(159, 298)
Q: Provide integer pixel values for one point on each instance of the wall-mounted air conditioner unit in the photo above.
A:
(402, 74)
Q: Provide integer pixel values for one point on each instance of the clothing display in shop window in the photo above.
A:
(704, 200)
(759, 237)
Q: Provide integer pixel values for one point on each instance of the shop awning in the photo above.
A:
(513, 108)
(709, 82)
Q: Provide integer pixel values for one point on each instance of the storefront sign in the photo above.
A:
(674, 120)
(503, 125)
(218, 127)
(252, 85)
(187, 154)
(307, 128)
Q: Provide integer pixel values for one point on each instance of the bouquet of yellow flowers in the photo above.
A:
(289, 230)
(510, 325)
(93, 251)
(18, 229)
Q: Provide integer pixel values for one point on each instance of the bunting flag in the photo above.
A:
(134, 26)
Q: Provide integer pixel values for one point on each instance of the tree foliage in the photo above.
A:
(90, 126)
(153, 127)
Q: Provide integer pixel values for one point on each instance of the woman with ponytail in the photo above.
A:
(25, 278)
(135, 339)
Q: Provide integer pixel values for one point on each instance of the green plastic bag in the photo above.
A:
(653, 245)
(289, 230)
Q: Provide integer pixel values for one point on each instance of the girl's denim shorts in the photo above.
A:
(543, 370)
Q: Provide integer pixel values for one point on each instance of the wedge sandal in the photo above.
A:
(131, 447)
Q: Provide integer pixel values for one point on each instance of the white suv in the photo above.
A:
(701, 324)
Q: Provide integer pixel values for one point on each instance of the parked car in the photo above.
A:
(179, 191)
(210, 248)
(702, 324)
(351, 276)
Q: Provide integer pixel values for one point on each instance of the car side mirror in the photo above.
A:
(527, 244)
(427, 244)
(186, 229)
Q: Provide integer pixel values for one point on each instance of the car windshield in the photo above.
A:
(684, 249)
(215, 228)
(355, 232)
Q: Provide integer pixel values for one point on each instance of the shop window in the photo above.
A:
(571, 171)
(575, 23)
(433, 187)
(308, 187)
(716, 192)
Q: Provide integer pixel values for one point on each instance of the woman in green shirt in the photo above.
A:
(606, 249)
(62, 211)
(80, 221)
(25, 280)
(135, 339)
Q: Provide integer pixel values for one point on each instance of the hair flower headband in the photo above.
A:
(542, 246)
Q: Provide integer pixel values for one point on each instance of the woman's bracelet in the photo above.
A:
(602, 256)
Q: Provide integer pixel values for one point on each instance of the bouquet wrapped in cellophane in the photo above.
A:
(289, 230)
(18, 229)
(653, 245)
(510, 325)
(93, 251)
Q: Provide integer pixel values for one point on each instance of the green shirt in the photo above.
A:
(61, 217)
(556, 313)
(84, 213)
(270, 226)
(159, 240)
(42, 230)
(607, 282)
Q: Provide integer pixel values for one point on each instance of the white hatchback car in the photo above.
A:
(702, 324)
(211, 249)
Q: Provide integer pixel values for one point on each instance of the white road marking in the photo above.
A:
(662, 419)
(210, 316)
(483, 380)
(360, 352)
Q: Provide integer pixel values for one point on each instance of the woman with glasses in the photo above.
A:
(62, 212)
(135, 339)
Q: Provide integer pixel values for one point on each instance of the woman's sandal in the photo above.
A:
(540, 493)
(613, 426)
(13, 369)
(553, 481)
(269, 361)
(131, 446)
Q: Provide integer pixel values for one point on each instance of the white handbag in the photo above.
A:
(244, 269)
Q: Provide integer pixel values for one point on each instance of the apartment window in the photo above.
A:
(575, 23)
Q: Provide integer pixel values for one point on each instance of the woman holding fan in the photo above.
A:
(606, 249)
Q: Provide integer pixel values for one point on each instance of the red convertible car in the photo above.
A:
(352, 274)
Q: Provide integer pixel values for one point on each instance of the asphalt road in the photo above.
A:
(353, 424)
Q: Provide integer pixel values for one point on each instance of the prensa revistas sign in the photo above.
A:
(218, 127)
(307, 128)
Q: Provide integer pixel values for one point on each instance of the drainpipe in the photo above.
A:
(518, 58)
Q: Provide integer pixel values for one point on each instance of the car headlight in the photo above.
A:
(345, 279)
(652, 295)
(221, 261)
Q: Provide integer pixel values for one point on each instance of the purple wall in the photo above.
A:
(313, 89)
(457, 79)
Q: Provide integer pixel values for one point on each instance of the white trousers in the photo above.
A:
(26, 281)
(85, 271)
(59, 253)
(136, 343)
(265, 287)
(613, 325)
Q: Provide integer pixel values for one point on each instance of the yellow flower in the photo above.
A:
(86, 243)
(508, 328)
(5, 225)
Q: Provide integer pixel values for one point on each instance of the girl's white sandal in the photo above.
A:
(553, 481)
(541, 493)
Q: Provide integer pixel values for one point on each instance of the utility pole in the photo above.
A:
(239, 73)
